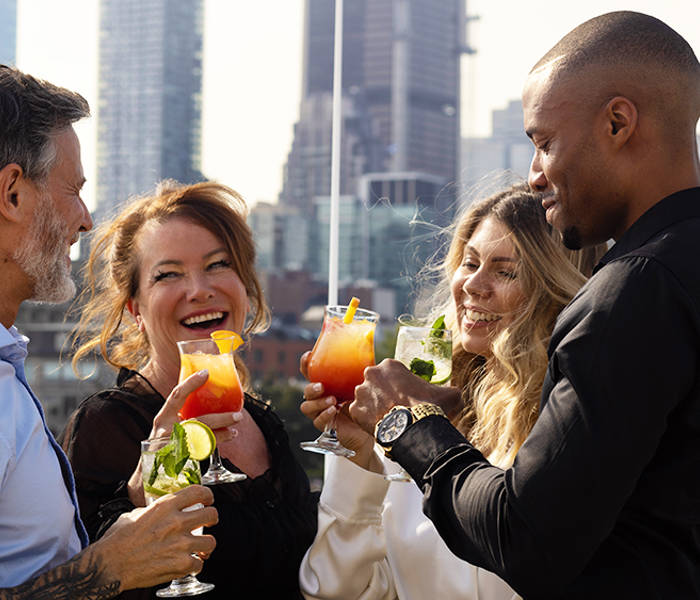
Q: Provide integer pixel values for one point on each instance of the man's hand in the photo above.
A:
(152, 545)
(390, 384)
(144, 548)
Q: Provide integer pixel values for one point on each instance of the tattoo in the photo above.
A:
(81, 578)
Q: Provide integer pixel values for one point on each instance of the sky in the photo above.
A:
(252, 70)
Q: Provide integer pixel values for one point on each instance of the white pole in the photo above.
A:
(335, 154)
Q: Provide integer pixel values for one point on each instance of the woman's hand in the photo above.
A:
(320, 409)
(220, 423)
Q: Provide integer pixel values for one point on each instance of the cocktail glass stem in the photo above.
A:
(328, 442)
(217, 473)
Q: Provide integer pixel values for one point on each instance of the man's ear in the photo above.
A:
(11, 190)
(621, 118)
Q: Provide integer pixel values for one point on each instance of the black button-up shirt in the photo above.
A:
(603, 500)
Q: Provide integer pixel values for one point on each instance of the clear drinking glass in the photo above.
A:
(338, 360)
(222, 392)
(428, 344)
(157, 483)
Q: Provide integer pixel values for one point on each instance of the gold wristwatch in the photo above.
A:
(399, 419)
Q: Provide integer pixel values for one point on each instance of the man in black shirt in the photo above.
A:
(603, 500)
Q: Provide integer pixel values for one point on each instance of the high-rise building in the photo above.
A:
(508, 148)
(150, 87)
(8, 31)
(401, 93)
(400, 140)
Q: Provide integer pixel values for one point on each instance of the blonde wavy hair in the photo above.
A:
(111, 274)
(501, 393)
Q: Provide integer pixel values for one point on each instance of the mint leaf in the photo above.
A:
(438, 325)
(173, 456)
(192, 476)
(154, 471)
(181, 451)
(437, 344)
(425, 369)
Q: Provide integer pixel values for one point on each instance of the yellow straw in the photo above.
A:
(227, 341)
(350, 313)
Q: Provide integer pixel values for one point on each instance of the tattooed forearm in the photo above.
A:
(81, 578)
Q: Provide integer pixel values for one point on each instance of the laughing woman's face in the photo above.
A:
(485, 288)
(187, 287)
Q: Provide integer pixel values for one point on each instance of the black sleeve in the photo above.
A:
(102, 441)
(609, 396)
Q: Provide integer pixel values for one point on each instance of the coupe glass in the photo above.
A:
(160, 483)
(338, 360)
(427, 344)
(222, 392)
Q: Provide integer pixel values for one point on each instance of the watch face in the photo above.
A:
(393, 425)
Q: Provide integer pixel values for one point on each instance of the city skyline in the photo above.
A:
(252, 70)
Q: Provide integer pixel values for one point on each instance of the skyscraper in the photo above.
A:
(149, 109)
(8, 31)
(401, 87)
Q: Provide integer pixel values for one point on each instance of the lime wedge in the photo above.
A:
(227, 341)
(443, 372)
(200, 439)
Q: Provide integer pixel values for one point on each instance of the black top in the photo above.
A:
(603, 500)
(265, 524)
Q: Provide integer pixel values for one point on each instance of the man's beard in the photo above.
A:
(42, 256)
(571, 238)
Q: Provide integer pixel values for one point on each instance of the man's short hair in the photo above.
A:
(622, 37)
(31, 112)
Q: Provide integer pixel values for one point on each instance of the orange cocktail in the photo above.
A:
(342, 352)
(221, 392)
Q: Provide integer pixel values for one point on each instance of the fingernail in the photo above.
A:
(203, 372)
(331, 410)
(330, 400)
(237, 416)
(233, 431)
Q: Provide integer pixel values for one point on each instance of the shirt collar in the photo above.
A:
(665, 213)
(13, 345)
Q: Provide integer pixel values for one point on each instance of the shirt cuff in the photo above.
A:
(352, 492)
(417, 448)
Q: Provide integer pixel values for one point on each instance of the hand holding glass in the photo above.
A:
(338, 361)
(222, 392)
(160, 476)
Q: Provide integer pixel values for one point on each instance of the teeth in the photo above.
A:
(201, 318)
(473, 315)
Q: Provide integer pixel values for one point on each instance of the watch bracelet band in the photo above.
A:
(426, 409)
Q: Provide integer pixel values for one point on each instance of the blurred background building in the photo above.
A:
(150, 97)
(8, 31)
(400, 144)
(508, 148)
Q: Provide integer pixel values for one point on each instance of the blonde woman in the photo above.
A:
(509, 277)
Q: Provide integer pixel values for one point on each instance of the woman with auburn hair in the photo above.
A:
(178, 265)
(509, 277)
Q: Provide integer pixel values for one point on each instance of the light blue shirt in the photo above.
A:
(39, 523)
